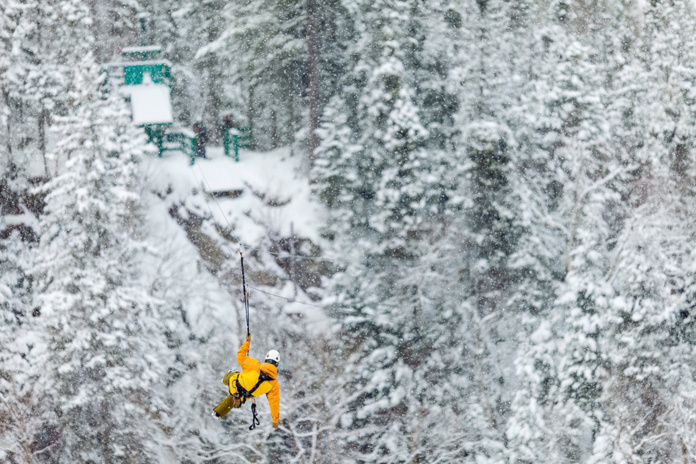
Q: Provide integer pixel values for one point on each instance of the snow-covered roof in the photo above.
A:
(142, 49)
(150, 103)
(121, 64)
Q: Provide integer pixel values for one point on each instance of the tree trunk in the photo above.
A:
(291, 126)
(274, 129)
(313, 74)
(212, 112)
(8, 138)
(250, 107)
(42, 141)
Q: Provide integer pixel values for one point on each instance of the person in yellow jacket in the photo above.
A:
(256, 379)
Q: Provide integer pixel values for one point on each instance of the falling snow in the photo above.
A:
(466, 225)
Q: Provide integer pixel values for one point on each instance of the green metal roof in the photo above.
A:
(159, 71)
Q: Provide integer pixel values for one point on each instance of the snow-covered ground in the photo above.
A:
(265, 193)
(273, 194)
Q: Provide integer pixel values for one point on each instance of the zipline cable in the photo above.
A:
(245, 245)
(289, 300)
(207, 184)
(279, 255)
(242, 244)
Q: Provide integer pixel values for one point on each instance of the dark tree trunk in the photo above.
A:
(250, 109)
(8, 139)
(274, 129)
(212, 113)
(42, 140)
(313, 74)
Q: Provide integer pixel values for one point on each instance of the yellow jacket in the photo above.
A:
(251, 369)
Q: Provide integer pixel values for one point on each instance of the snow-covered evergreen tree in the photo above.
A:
(649, 368)
(504, 180)
(23, 427)
(285, 57)
(387, 193)
(567, 149)
(578, 370)
(97, 317)
(120, 20)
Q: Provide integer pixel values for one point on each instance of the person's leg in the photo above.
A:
(228, 404)
(232, 401)
(230, 380)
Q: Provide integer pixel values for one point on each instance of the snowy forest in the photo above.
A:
(479, 246)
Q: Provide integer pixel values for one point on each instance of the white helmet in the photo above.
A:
(273, 357)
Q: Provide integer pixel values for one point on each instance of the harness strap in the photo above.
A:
(263, 377)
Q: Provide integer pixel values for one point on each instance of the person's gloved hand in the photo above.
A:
(248, 338)
(275, 425)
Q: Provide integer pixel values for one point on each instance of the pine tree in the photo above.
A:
(647, 366)
(569, 151)
(117, 19)
(481, 240)
(205, 22)
(485, 60)
(7, 26)
(496, 211)
(46, 38)
(292, 52)
(22, 347)
(387, 198)
(23, 428)
(643, 399)
(97, 318)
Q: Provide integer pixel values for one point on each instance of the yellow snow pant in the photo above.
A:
(233, 400)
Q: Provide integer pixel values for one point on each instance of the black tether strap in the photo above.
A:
(255, 417)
